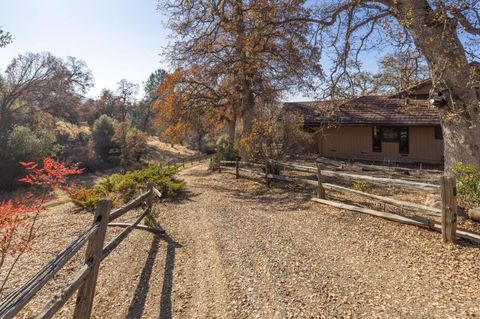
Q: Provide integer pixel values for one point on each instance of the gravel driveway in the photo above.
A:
(236, 249)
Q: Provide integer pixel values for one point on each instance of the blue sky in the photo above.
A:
(118, 39)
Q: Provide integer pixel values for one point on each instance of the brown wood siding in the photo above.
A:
(356, 143)
(424, 146)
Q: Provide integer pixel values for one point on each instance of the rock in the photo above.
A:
(434, 201)
(474, 214)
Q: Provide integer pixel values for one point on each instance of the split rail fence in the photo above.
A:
(446, 188)
(192, 160)
(85, 280)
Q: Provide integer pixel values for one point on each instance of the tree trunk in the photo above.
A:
(435, 35)
(231, 124)
(461, 142)
(248, 107)
(245, 78)
(199, 141)
(146, 119)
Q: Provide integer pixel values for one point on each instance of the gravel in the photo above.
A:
(236, 249)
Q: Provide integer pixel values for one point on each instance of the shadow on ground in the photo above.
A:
(283, 197)
(137, 306)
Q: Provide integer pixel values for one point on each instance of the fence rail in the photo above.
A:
(371, 179)
(191, 160)
(446, 188)
(85, 280)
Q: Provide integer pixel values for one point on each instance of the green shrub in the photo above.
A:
(103, 130)
(225, 151)
(83, 138)
(85, 198)
(131, 142)
(126, 187)
(162, 178)
(25, 144)
(360, 186)
(468, 183)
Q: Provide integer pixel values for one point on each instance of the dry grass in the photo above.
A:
(159, 151)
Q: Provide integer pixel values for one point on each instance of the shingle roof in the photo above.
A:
(368, 110)
(413, 91)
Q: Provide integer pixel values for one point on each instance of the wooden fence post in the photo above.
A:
(237, 171)
(267, 171)
(320, 189)
(150, 197)
(86, 292)
(448, 191)
(149, 219)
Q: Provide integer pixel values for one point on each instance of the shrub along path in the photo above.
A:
(235, 249)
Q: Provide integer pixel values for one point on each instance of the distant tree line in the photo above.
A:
(43, 112)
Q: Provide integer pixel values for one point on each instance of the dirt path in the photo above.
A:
(235, 249)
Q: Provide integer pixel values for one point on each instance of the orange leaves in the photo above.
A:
(13, 217)
(185, 106)
(174, 133)
(17, 218)
(80, 194)
(52, 174)
(169, 108)
(167, 96)
(29, 164)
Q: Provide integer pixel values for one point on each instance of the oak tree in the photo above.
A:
(445, 33)
(126, 92)
(5, 38)
(40, 82)
(242, 51)
(181, 113)
(400, 72)
(142, 114)
(108, 103)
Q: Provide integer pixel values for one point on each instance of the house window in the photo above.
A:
(438, 133)
(403, 144)
(377, 139)
(391, 134)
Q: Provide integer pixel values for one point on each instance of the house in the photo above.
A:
(399, 128)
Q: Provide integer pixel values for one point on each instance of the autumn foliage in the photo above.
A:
(182, 114)
(14, 217)
(52, 174)
(18, 217)
(168, 108)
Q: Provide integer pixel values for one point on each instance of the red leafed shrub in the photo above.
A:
(17, 218)
(13, 218)
(52, 174)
